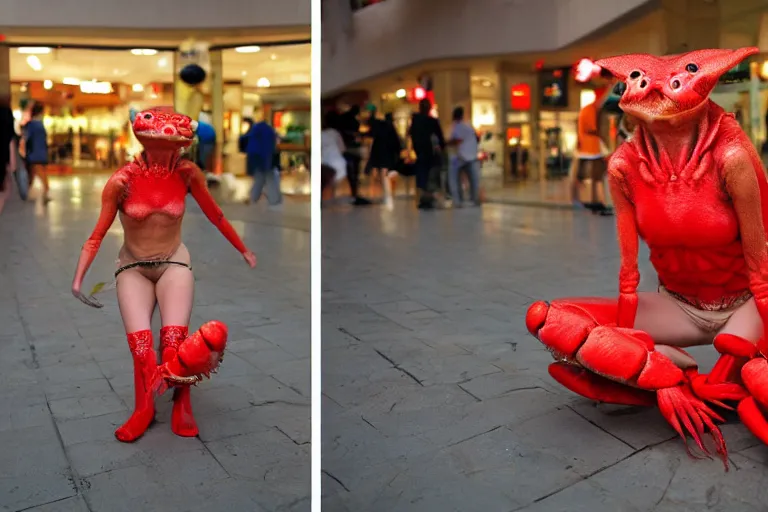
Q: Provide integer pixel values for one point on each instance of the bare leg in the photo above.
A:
(136, 298)
(175, 294)
(40, 170)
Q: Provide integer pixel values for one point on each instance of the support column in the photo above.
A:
(217, 106)
(5, 72)
(691, 25)
(452, 89)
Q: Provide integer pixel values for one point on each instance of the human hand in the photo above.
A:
(250, 258)
(89, 301)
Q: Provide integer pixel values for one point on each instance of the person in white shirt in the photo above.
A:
(332, 153)
(464, 139)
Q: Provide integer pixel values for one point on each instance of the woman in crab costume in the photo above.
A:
(690, 184)
(154, 266)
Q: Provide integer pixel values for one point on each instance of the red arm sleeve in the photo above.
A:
(626, 226)
(743, 187)
(110, 198)
(199, 190)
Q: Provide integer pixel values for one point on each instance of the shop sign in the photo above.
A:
(554, 87)
(520, 97)
(518, 117)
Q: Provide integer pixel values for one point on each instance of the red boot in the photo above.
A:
(144, 367)
(182, 421)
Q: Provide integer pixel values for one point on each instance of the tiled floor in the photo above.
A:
(435, 398)
(66, 378)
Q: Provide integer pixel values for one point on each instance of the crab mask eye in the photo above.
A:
(147, 116)
(691, 68)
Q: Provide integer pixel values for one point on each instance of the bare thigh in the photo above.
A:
(745, 322)
(136, 299)
(175, 290)
(667, 323)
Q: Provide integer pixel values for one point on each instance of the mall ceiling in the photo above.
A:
(282, 65)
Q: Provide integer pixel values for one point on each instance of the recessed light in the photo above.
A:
(137, 88)
(70, 81)
(248, 49)
(401, 93)
(48, 85)
(263, 82)
(273, 56)
(244, 73)
(39, 50)
(162, 62)
(34, 62)
(144, 51)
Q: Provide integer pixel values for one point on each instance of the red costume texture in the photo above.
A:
(691, 185)
(149, 194)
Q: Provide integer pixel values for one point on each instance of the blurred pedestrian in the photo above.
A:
(429, 144)
(36, 146)
(260, 144)
(348, 125)
(333, 165)
(7, 149)
(206, 143)
(385, 154)
(464, 139)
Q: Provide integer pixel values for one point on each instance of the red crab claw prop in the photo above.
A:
(617, 365)
(724, 382)
(753, 410)
(198, 356)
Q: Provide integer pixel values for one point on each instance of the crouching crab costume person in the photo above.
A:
(691, 185)
(154, 266)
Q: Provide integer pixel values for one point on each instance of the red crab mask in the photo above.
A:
(659, 88)
(164, 125)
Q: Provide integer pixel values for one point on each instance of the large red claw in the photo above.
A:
(199, 355)
(215, 334)
(689, 415)
(600, 389)
(755, 377)
(536, 316)
(753, 418)
(715, 393)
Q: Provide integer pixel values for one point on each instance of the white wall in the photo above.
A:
(154, 14)
(398, 33)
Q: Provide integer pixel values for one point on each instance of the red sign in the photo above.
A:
(520, 97)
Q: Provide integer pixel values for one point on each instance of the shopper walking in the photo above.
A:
(7, 150)
(348, 125)
(333, 164)
(36, 146)
(385, 154)
(465, 140)
(206, 144)
(260, 143)
(429, 144)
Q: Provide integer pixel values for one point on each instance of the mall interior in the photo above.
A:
(512, 65)
(91, 71)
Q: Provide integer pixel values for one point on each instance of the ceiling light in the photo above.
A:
(137, 88)
(34, 62)
(40, 50)
(248, 49)
(244, 73)
(48, 85)
(94, 87)
(401, 93)
(144, 51)
(273, 56)
(70, 81)
(162, 62)
(262, 82)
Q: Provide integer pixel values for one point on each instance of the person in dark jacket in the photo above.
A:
(8, 140)
(429, 145)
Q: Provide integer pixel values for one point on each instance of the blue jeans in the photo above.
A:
(472, 170)
(204, 153)
(270, 178)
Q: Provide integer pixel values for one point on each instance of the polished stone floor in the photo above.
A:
(436, 399)
(66, 378)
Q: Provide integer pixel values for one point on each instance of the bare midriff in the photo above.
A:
(157, 237)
